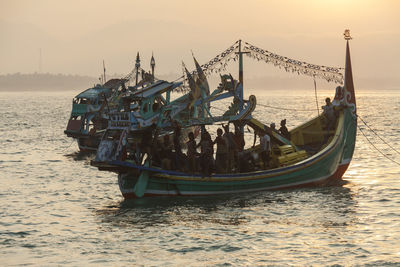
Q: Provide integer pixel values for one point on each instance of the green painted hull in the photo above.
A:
(327, 165)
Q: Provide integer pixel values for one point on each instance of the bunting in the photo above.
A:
(330, 74)
(218, 64)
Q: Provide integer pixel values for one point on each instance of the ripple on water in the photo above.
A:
(58, 210)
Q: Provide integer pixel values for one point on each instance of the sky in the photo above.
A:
(74, 37)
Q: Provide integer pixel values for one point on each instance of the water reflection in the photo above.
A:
(81, 156)
(322, 207)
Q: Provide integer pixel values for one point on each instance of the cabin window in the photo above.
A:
(76, 118)
(112, 135)
(155, 107)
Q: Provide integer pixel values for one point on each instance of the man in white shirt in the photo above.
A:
(329, 113)
(265, 147)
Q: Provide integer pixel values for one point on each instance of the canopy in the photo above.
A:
(93, 92)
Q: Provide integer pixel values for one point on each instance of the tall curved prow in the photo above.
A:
(348, 76)
(347, 98)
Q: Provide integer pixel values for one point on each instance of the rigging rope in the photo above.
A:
(220, 109)
(372, 130)
(383, 154)
(316, 97)
(73, 140)
(292, 109)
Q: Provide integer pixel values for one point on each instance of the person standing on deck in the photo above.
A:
(166, 154)
(191, 153)
(231, 147)
(206, 156)
(221, 157)
(265, 146)
(239, 145)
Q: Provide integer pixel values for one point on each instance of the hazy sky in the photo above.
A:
(75, 36)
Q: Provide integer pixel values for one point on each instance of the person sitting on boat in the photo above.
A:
(206, 155)
(273, 127)
(221, 158)
(265, 147)
(283, 130)
(339, 95)
(329, 113)
(191, 153)
(246, 162)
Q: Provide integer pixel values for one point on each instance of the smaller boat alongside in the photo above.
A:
(89, 119)
(91, 108)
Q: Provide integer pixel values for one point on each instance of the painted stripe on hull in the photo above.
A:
(336, 176)
(83, 148)
(317, 174)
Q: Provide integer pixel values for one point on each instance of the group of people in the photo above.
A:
(228, 145)
(230, 155)
(169, 155)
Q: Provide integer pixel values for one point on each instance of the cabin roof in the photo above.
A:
(157, 88)
(112, 83)
(93, 92)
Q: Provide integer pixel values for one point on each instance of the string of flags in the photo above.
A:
(330, 74)
(219, 63)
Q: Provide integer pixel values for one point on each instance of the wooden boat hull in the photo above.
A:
(89, 143)
(325, 167)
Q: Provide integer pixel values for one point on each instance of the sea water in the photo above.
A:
(55, 209)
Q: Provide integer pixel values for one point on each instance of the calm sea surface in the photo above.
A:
(58, 210)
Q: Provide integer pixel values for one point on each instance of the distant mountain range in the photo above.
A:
(77, 83)
(56, 82)
(45, 82)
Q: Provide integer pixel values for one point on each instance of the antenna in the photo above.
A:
(40, 60)
(104, 68)
(137, 66)
(152, 65)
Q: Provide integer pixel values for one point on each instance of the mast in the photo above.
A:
(240, 62)
(137, 65)
(240, 91)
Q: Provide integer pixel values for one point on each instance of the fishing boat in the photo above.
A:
(91, 108)
(88, 119)
(314, 154)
